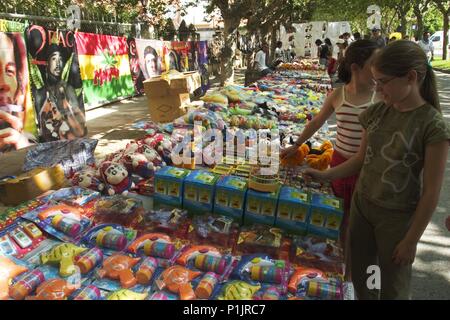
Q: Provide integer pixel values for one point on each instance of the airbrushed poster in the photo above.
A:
(56, 85)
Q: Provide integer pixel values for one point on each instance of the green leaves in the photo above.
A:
(109, 60)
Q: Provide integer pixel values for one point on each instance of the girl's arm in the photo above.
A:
(349, 168)
(433, 176)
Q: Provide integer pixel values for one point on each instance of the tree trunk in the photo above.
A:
(446, 22)
(420, 25)
(231, 24)
(273, 43)
(404, 21)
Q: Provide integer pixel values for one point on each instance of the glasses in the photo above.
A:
(382, 82)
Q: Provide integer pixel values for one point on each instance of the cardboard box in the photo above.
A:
(230, 197)
(326, 216)
(168, 96)
(169, 183)
(31, 184)
(293, 210)
(199, 188)
(261, 207)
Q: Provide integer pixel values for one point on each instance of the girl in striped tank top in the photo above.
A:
(348, 102)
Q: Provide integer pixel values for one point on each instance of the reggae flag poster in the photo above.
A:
(56, 84)
(15, 97)
(151, 55)
(104, 68)
(136, 72)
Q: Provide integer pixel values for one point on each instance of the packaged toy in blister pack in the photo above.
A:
(261, 238)
(118, 209)
(109, 237)
(74, 196)
(25, 284)
(173, 222)
(237, 290)
(64, 222)
(177, 280)
(158, 246)
(314, 284)
(10, 268)
(315, 252)
(271, 275)
(11, 214)
(89, 292)
(216, 230)
(20, 238)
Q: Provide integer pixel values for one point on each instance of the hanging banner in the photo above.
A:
(179, 52)
(15, 96)
(56, 85)
(104, 68)
(201, 62)
(136, 72)
(151, 57)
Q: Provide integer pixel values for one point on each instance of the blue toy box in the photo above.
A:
(169, 183)
(230, 197)
(199, 187)
(293, 210)
(326, 216)
(261, 207)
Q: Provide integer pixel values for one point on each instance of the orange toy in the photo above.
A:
(8, 270)
(301, 273)
(178, 279)
(321, 161)
(53, 289)
(118, 267)
(297, 159)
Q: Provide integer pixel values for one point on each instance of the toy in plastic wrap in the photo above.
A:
(271, 293)
(87, 179)
(260, 238)
(301, 276)
(110, 237)
(315, 252)
(324, 290)
(73, 196)
(64, 256)
(138, 164)
(163, 295)
(53, 289)
(146, 270)
(116, 178)
(8, 270)
(189, 253)
(125, 294)
(206, 286)
(214, 229)
(118, 209)
(173, 222)
(177, 279)
(62, 210)
(88, 260)
(26, 284)
(139, 242)
(89, 292)
(118, 267)
(238, 290)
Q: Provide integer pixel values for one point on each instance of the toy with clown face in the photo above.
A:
(88, 179)
(116, 178)
(152, 156)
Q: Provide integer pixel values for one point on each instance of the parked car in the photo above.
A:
(438, 42)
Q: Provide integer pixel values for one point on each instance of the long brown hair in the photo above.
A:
(400, 57)
(358, 52)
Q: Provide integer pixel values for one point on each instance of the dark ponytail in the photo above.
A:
(402, 56)
(358, 52)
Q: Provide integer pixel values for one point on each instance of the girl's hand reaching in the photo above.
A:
(316, 175)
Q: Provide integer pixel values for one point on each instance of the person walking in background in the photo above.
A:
(427, 46)
(378, 38)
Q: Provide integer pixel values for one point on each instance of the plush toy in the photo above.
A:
(152, 156)
(87, 179)
(320, 159)
(131, 147)
(8, 270)
(297, 158)
(162, 144)
(116, 178)
(137, 163)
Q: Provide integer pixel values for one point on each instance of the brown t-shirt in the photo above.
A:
(394, 160)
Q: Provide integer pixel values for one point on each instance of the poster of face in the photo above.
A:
(136, 72)
(15, 99)
(201, 58)
(151, 57)
(104, 68)
(179, 56)
(56, 84)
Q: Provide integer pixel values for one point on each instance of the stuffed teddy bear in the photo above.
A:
(87, 178)
(116, 178)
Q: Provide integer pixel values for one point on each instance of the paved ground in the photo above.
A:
(431, 277)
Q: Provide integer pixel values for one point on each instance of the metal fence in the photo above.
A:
(91, 23)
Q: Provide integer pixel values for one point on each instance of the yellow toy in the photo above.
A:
(64, 254)
(297, 159)
(238, 290)
(125, 294)
(321, 161)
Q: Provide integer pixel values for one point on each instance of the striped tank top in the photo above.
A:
(349, 130)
